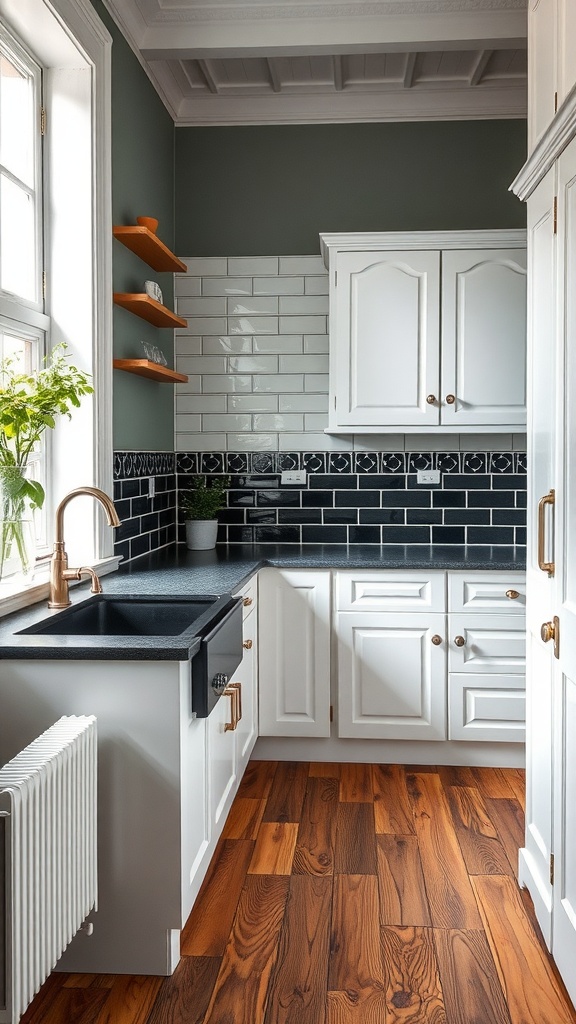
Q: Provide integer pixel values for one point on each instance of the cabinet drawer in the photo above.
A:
(248, 593)
(486, 707)
(490, 645)
(492, 591)
(390, 591)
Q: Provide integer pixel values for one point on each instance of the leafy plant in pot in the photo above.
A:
(200, 506)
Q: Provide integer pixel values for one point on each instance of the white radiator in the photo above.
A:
(48, 871)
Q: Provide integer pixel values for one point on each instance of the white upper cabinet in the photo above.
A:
(552, 61)
(427, 331)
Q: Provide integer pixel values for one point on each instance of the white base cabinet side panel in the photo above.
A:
(194, 820)
(491, 643)
(367, 751)
(486, 707)
(294, 653)
(483, 338)
(564, 892)
(137, 704)
(221, 762)
(391, 677)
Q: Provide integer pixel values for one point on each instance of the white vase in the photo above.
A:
(201, 534)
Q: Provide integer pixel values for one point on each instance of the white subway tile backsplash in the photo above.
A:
(485, 443)
(229, 384)
(301, 265)
(292, 305)
(277, 421)
(202, 364)
(242, 266)
(250, 325)
(315, 421)
(432, 442)
(380, 443)
(187, 345)
(316, 382)
(209, 266)
(226, 286)
(303, 403)
(200, 403)
(316, 343)
(255, 305)
(184, 285)
(519, 442)
(316, 285)
(188, 422)
(302, 325)
(303, 364)
(191, 306)
(278, 383)
(278, 286)
(252, 443)
(227, 422)
(209, 325)
(253, 403)
(280, 343)
(200, 442)
(192, 386)
(313, 442)
(253, 364)
(226, 343)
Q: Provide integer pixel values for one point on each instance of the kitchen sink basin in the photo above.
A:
(111, 615)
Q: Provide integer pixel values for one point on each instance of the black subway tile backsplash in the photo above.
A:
(349, 498)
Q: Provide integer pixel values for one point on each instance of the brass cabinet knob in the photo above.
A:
(247, 602)
(459, 641)
(450, 399)
(512, 594)
(436, 640)
(247, 645)
(431, 399)
(547, 631)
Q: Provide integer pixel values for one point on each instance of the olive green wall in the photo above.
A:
(142, 185)
(243, 191)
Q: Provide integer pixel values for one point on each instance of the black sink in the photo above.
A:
(110, 615)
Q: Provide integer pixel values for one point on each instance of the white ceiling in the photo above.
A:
(296, 61)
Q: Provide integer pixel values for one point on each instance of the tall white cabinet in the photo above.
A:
(427, 331)
(548, 184)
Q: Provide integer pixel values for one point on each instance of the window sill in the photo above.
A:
(15, 596)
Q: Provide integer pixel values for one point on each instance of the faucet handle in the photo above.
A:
(86, 570)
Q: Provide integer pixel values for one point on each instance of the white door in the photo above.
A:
(564, 899)
(386, 314)
(294, 652)
(534, 864)
(392, 675)
(483, 338)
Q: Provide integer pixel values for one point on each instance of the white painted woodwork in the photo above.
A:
(390, 591)
(486, 707)
(386, 310)
(564, 680)
(246, 675)
(477, 592)
(221, 761)
(492, 644)
(534, 863)
(294, 653)
(418, 315)
(194, 812)
(391, 677)
(543, 62)
(483, 338)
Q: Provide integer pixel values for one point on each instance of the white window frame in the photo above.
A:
(74, 48)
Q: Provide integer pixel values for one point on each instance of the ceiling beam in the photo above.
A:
(338, 72)
(479, 67)
(208, 77)
(275, 80)
(409, 70)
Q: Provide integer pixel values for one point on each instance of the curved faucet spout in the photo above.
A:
(60, 574)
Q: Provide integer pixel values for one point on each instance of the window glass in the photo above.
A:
(18, 270)
(16, 118)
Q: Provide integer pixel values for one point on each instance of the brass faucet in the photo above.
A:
(60, 574)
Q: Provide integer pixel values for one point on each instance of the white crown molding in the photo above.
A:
(405, 105)
(376, 241)
(157, 12)
(127, 17)
(549, 148)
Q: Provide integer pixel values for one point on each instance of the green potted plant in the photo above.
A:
(29, 404)
(200, 506)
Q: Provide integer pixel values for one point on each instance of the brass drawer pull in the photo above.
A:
(459, 641)
(512, 594)
(450, 399)
(238, 688)
(548, 499)
(247, 645)
(436, 640)
(247, 602)
(232, 692)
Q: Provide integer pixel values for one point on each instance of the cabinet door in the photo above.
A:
(384, 339)
(487, 644)
(391, 676)
(245, 675)
(488, 708)
(483, 338)
(294, 653)
(566, 48)
(221, 760)
(542, 60)
(193, 800)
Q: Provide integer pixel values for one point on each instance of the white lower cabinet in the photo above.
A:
(294, 652)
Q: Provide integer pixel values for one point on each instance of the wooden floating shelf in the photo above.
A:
(154, 371)
(149, 248)
(142, 305)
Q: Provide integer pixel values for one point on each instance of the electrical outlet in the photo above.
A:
(427, 476)
(293, 476)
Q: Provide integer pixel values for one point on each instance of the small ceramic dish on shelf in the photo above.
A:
(148, 222)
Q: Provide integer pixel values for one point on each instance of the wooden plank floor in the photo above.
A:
(349, 893)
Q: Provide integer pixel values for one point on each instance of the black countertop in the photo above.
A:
(220, 571)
